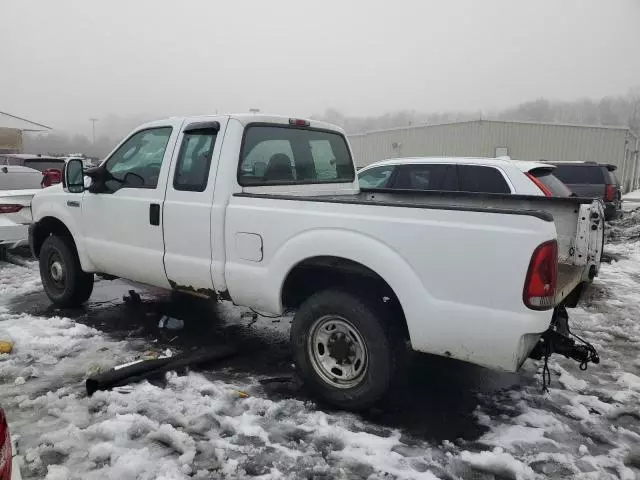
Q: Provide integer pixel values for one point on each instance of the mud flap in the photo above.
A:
(559, 339)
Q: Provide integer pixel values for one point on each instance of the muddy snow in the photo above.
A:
(200, 425)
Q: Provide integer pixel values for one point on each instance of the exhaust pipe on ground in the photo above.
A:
(147, 369)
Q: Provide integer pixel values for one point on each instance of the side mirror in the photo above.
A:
(73, 179)
(97, 177)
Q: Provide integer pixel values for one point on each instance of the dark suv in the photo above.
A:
(594, 180)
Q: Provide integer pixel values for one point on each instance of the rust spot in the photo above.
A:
(224, 295)
(200, 292)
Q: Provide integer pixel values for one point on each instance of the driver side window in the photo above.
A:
(137, 163)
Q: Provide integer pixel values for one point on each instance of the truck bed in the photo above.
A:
(578, 232)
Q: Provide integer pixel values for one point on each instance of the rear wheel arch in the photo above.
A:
(368, 254)
(325, 272)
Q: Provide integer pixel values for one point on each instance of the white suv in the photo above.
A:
(478, 175)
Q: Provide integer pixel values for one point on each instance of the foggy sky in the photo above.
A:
(63, 61)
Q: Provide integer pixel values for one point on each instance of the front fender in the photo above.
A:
(46, 207)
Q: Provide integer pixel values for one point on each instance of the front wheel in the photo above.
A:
(62, 277)
(347, 348)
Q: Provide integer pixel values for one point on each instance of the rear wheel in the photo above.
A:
(346, 348)
(62, 277)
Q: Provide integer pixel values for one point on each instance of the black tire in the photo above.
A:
(385, 346)
(72, 287)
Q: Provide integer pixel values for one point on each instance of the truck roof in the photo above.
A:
(246, 118)
(522, 165)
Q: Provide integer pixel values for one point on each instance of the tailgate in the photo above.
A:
(580, 236)
(585, 251)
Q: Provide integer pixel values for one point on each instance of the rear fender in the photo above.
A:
(346, 244)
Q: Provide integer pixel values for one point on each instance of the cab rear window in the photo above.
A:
(286, 155)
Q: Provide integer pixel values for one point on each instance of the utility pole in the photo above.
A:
(93, 129)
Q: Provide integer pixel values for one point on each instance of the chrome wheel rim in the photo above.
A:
(57, 271)
(337, 351)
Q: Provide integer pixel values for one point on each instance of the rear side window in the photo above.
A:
(549, 180)
(479, 179)
(426, 177)
(377, 177)
(280, 155)
(579, 174)
(194, 160)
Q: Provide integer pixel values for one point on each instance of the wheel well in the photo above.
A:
(46, 227)
(320, 273)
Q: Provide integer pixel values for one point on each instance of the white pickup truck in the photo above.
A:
(266, 212)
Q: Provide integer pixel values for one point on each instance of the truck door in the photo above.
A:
(122, 224)
(188, 203)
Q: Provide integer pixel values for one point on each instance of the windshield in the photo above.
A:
(579, 174)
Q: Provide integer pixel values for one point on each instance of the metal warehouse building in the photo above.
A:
(11, 132)
(518, 140)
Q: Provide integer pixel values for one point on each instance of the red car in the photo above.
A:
(5, 448)
(51, 176)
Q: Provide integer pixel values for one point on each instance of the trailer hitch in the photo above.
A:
(560, 339)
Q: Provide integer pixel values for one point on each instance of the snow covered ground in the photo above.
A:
(201, 425)
(631, 201)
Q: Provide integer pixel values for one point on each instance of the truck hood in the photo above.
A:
(52, 190)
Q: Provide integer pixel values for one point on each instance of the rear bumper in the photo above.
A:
(13, 234)
(500, 340)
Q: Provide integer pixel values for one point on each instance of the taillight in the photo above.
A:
(609, 193)
(540, 286)
(299, 122)
(5, 443)
(540, 185)
(10, 208)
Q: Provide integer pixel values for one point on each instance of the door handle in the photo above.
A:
(154, 214)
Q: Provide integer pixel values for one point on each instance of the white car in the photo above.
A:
(266, 211)
(477, 175)
(17, 187)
